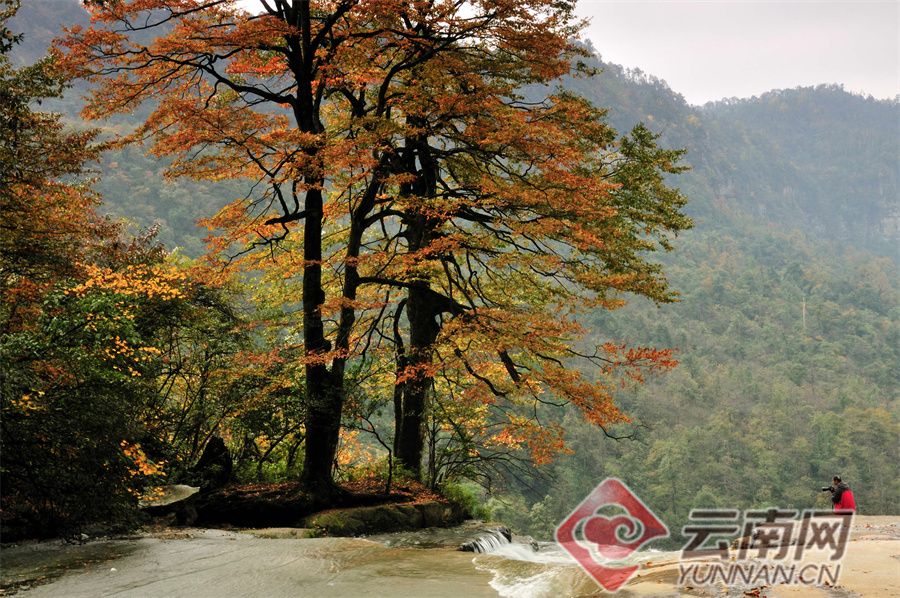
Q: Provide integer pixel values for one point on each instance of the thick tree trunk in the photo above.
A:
(409, 441)
(323, 426)
(324, 397)
(325, 389)
(422, 311)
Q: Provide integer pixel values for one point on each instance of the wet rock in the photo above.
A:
(254, 507)
(177, 502)
(528, 541)
(282, 533)
(488, 540)
(391, 517)
(214, 469)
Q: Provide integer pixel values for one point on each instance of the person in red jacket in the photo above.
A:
(841, 496)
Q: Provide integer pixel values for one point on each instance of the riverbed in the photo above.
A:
(275, 563)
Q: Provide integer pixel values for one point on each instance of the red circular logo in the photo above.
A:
(597, 540)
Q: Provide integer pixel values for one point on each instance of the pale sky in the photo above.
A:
(713, 49)
(709, 50)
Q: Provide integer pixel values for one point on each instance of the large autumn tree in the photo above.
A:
(518, 211)
(389, 153)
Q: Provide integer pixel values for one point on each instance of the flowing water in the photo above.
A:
(275, 563)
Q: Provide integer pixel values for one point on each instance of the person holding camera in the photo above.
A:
(841, 495)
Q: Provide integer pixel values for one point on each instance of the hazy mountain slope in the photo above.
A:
(819, 160)
(41, 21)
(130, 182)
(824, 160)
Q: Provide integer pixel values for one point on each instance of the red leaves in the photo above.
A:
(634, 359)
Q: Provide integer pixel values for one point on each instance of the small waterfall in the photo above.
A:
(489, 541)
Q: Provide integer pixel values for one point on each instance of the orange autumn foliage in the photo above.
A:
(395, 157)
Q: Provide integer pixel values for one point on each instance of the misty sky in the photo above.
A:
(714, 49)
(725, 48)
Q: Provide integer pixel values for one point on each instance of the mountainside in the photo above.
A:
(819, 160)
(40, 21)
(787, 330)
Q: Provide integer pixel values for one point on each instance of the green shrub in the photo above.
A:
(468, 496)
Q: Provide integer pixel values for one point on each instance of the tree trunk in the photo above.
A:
(323, 426)
(324, 396)
(409, 443)
(422, 311)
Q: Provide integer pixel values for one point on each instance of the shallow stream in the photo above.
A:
(275, 563)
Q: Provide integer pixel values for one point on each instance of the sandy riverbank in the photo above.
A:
(871, 567)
